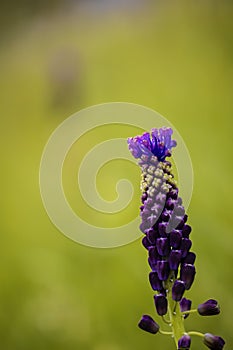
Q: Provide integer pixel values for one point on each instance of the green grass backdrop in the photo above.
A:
(173, 56)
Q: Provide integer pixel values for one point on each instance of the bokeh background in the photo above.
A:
(58, 57)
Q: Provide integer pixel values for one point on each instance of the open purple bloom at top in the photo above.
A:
(158, 143)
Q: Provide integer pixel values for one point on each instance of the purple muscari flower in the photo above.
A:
(213, 342)
(175, 239)
(178, 290)
(174, 259)
(190, 258)
(209, 308)
(153, 264)
(185, 305)
(153, 254)
(167, 235)
(186, 231)
(152, 235)
(163, 269)
(146, 243)
(148, 324)
(160, 304)
(165, 216)
(163, 247)
(155, 282)
(162, 229)
(187, 275)
(184, 342)
(185, 246)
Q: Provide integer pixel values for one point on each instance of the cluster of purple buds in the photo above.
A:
(167, 240)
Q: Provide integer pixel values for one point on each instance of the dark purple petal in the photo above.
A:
(163, 247)
(184, 342)
(186, 231)
(170, 204)
(162, 229)
(146, 243)
(160, 304)
(187, 274)
(144, 197)
(152, 235)
(163, 270)
(165, 216)
(190, 258)
(173, 193)
(186, 244)
(174, 259)
(144, 225)
(213, 342)
(178, 290)
(185, 305)
(209, 308)
(155, 282)
(153, 264)
(148, 324)
(153, 253)
(175, 222)
(175, 238)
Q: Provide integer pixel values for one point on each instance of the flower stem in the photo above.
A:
(189, 311)
(196, 333)
(164, 332)
(166, 321)
(175, 315)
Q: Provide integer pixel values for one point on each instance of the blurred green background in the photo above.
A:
(173, 56)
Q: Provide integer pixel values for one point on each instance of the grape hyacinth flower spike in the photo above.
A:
(167, 240)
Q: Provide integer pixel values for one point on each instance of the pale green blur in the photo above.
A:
(173, 56)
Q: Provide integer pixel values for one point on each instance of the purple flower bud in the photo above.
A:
(146, 243)
(190, 258)
(144, 197)
(178, 290)
(163, 246)
(175, 222)
(187, 274)
(163, 269)
(153, 253)
(175, 238)
(155, 282)
(179, 210)
(184, 342)
(170, 204)
(152, 235)
(213, 341)
(186, 231)
(162, 229)
(153, 264)
(173, 193)
(209, 308)
(185, 305)
(160, 304)
(165, 216)
(174, 259)
(148, 324)
(144, 225)
(185, 246)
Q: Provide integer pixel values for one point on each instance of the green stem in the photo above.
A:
(164, 332)
(196, 333)
(175, 315)
(189, 311)
(166, 321)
